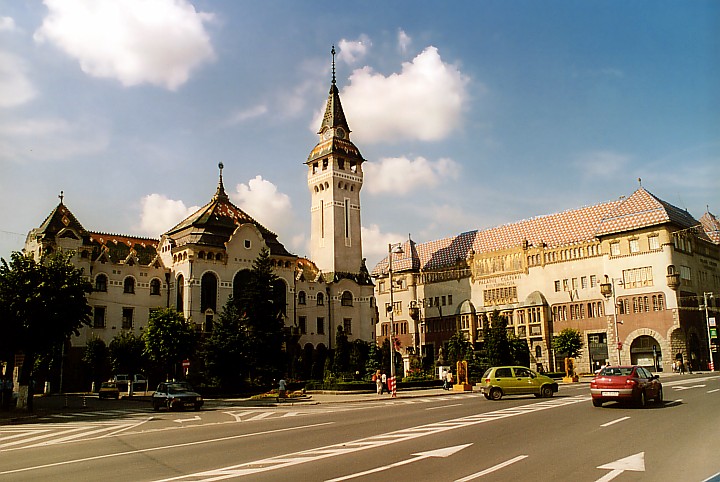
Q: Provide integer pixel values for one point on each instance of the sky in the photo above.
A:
(470, 114)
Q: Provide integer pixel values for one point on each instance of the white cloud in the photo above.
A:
(7, 24)
(352, 51)
(400, 175)
(251, 113)
(134, 41)
(404, 41)
(158, 214)
(604, 164)
(14, 84)
(375, 244)
(262, 200)
(50, 139)
(425, 101)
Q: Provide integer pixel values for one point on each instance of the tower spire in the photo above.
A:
(220, 193)
(332, 51)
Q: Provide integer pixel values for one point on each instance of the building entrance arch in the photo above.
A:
(645, 351)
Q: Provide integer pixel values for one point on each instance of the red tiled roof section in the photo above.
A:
(104, 238)
(640, 210)
(711, 226)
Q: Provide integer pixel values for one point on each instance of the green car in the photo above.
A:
(499, 381)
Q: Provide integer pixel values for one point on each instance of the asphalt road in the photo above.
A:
(455, 438)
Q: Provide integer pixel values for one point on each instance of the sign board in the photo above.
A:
(186, 363)
(711, 321)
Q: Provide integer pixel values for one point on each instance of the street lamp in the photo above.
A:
(607, 289)
(392, 249)
(711, 364)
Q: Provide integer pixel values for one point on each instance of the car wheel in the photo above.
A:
(597, 402)
(486, 396)
(641, 400)
(496, 394)
(659, 397)
(546, 392)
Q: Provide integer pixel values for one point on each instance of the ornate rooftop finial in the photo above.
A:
(220, 193)
(640, 181)
(332, 51)
(61, 196)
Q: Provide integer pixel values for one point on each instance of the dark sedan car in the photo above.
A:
(626, 384)
(176, 396)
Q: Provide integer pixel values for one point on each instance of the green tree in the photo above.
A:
(519, 350)
(127, 353)
(374, 360)
(458, 347)
(568, 342)
(169, 339)
(96, 359)
(225, 349)
(43, 304)
(497, 345)
(261, 318)
(341, 359)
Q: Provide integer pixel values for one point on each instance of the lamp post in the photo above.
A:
(711, 364)
(607, 289)
(392, 249)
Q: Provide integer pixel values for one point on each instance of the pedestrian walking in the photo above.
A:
(444, 379)
(383, 380)
(378, 382)
(449, 379)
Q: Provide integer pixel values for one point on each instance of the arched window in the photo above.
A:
(346, 299)
(101, 282)
(179, 294)
(129, 285)
(301, 298)
(320, 299)
(208, 292)
(155, 286)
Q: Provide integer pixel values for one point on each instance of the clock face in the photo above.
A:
(340, 132)
(327, 134)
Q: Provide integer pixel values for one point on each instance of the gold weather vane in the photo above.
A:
(332, 51)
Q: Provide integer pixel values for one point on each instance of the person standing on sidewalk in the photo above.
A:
(383, 379)
(377, 378)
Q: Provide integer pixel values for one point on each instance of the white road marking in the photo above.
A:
(446, 452)
(444, 406)
(376, 441)
(492, 469)
(635, 463)
(156, 449)
(713, 391)
(621, 419)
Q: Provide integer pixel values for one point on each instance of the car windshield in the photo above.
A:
(178, 388)
(616, 371)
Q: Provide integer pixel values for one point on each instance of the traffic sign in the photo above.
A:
(186, 363)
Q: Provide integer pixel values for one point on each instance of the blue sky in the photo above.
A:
(470, 114)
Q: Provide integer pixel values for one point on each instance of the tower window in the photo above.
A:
(341, 164)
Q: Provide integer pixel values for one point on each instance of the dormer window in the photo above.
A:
(247, 244)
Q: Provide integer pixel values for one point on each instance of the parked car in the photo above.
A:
(626, 384)
(176, 396)
(499, 381)
(140, 383)
(109, 390)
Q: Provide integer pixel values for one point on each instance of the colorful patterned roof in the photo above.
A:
(118, 247)
(640, 210)
(214, 224)
(711, 226)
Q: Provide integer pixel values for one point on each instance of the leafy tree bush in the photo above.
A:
(96, 359)
(169, 339)
(42, 305)
(568, 342)
(127, 353)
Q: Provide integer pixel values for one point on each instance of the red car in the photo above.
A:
(626, 384)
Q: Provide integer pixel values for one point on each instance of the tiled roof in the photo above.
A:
(711, 226)
(118, 247)
(640, 210)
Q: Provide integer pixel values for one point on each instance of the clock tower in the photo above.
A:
(335, 178)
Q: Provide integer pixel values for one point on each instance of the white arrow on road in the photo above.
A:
(635, 463)
(446, 452)
(181, 420)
